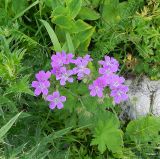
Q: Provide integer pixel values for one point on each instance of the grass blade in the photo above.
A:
(69, 43)
(7, 126)
(52, 35)
(28, 8)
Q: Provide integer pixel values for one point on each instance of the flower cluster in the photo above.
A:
(108, 78)
(64, 68)
(60, 63)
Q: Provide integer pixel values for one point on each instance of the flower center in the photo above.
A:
(56, 100)
(116, 84)
(120, 93)
(41, 85)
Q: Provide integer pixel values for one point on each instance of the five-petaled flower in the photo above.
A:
(110, 64)
(56, 100)
(64, 76)
(98, 86)
(119, 94)
(42, 84)
(81, 67)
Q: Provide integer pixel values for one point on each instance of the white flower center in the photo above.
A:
(56, 100)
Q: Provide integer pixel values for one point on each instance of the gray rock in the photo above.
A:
(144, 98)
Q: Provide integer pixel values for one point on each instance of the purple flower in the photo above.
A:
(57, 60)
(67, 58)
(87, 58)
(40, 87)
(56, 100)
(105, 71)
(61, 59)
(110, 64)
(81, 70)
(64, 76)
(56, 71)
(116, 81)
(42, 83)
(97, 87)
(119, 94)
(42, 76)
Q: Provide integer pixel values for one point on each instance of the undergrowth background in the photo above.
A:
(87, 128)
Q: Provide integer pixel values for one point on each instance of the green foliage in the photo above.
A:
(74, 7)
(131, 28)
(4, 129)
(69, 19)
(108, 134)
(143, 135)
(87, 128)
(87, 13)
(54, 39)
(144, 129)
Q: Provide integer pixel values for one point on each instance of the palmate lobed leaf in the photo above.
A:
(144, 129)
(107, 134)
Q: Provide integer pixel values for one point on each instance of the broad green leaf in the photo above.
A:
(83, 47)
(84, 35)
(7, 126)
(53, 3)
(69, 43)
(88, 14)
(76, 43)
(60, 34)
(61, 10)
(74, 7)
(144, 129)
(110, 11)
(64, 22)
(95, 3)
(107, 134)
(82, 26)
(52, 35)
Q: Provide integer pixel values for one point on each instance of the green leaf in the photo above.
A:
(144, 129)
(107, 134)
(25, 10)
(52, 35)
(22, 86)
(95, 3)
(55, 135)
(69, 43)
(84, 35)
(61, 10)
(88, 14)
(7, 126)
(20, 7)
(64, 22)
(82, 26)
(74, 7)
(110, 11)
(53, 3)
(83, 47)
